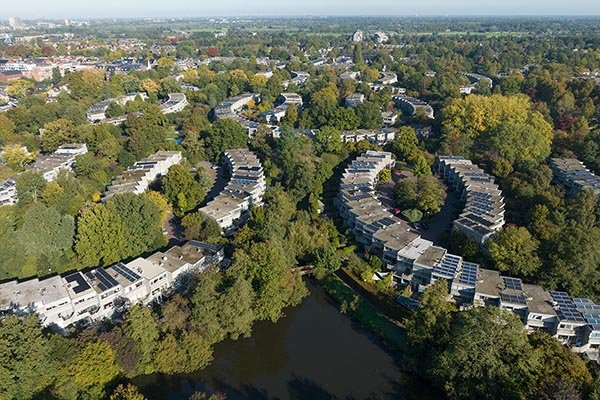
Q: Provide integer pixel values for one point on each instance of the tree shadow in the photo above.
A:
(245, 391)
(302, 388)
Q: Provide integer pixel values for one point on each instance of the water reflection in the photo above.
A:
(312, 353)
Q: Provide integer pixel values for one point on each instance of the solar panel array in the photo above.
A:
(589, 310)
(513, 283)
(513, 299)
(105, 281)
(126, 272)
(447, 268)
(468, 276)
(566, 307)
(585, 304)
(77, 278)
(388, 221)
(592, 319)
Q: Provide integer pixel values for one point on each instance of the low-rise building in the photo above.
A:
(389, 118)
(9, 76)
(418, 262)
(275, 115)
(483, 213)
(379, 136)
(138, 177)
(245, 190)
(380, 37)
(354, 99)
(133, 287)
(292, 98)
(48, 298)
(233, 105)
(72, 149)
(63, 159)
(387, 78)
(156, 278)
(299, 78)
(107, 291)
(478, 79)
(590, 335)
(570, 329)
(574, 176)
(541, 315)
(82, 297)
(175, 103)
(97, 112)
(190, 258)
(8, 192)
(410, 106)
(355, 75)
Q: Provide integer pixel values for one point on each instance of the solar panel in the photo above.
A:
(562, 298)
(510, 298)
(78, 284)
(388, 221)
(513, 283)
(588, 307)
(447, 268)
(570, 315)
(126, 272)
(102, 280)
(566, 307)
(106, 281)
(592, 318)
(468, 275)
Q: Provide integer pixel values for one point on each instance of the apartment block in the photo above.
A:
(574, 176)
(63, 159)
(93, 295)
(483, 212)
(140, 175)
(377, 136)
(419, 262)
(410, 106)
(244, 190)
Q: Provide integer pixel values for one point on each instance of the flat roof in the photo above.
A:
(490, 282)
(539, 300)
(432, 256)
(31, 292)
(145, 268)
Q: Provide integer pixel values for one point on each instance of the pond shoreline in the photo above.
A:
(314, 352)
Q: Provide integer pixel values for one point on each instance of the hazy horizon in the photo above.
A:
(58, 9)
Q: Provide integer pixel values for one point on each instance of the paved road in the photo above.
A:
(219, 184)
(174, 230)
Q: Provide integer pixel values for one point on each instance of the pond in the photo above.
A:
(314, 352)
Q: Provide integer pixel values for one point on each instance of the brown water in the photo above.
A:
(314, 352)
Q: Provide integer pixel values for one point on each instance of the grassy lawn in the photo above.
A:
(365, 314)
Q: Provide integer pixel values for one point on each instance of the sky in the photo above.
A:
(59, 9)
